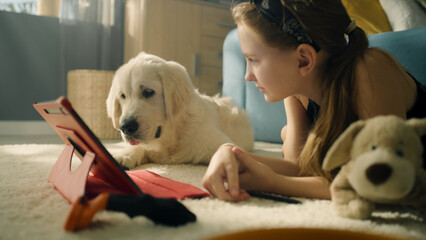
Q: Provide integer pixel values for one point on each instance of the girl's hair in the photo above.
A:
(326, 22)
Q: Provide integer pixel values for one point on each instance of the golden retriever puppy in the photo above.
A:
(166, 120)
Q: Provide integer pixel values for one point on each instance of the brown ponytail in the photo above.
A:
(338, 112)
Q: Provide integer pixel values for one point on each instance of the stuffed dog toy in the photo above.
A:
(383, 157)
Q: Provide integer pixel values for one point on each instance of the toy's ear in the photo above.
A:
(419, 125)
(339, 152)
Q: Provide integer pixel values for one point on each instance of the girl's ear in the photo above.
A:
(307, 57)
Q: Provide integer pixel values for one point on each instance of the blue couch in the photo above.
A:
(408, 47)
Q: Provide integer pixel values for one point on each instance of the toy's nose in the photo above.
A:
(378, 173)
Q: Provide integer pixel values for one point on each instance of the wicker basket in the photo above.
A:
(88, 91)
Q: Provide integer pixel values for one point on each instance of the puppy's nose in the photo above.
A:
(129, 126)
(378, 173)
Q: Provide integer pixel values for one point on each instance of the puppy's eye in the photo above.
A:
(147, 93)
(373, 147)
(123, 96)
(399, 153)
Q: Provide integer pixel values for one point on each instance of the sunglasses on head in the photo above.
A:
(283, 18)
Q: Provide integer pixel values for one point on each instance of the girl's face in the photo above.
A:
(273, 70)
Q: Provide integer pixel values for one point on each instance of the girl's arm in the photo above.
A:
(287, 182)
(294, 136)
(278, 165)
(295, 133)
(228, 174)
(254, 175)
(310, 187)
(232, 171)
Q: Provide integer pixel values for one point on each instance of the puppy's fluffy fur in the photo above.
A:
(166, 120)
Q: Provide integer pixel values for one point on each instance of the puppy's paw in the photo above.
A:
(126, 161)
(130, 157)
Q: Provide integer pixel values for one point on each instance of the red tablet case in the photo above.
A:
(99, 172)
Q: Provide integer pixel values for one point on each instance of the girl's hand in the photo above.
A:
(223, 169)
(254, 175)
(234, 167)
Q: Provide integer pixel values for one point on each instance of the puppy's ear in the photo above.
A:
(339, 152)
(177, 86)
(113, 106)
(419, 125)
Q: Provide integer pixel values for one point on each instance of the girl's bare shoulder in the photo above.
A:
(382, 86)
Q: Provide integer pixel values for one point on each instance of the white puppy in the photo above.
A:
(166, 120)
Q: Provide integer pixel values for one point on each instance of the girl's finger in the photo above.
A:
(231, 171)
(218, 189)
(244, 158)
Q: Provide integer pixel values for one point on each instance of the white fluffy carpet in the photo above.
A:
(30, 208)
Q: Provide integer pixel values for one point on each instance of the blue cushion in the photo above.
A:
(408, 47)
(234, 69)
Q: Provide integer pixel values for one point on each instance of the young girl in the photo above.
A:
(311, 55)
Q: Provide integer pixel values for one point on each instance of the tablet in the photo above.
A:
(74, 132)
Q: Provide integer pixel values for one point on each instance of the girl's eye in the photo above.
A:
(251, 60)
(147, 93)
(123, 96)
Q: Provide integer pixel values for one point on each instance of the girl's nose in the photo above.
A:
(249, 77)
